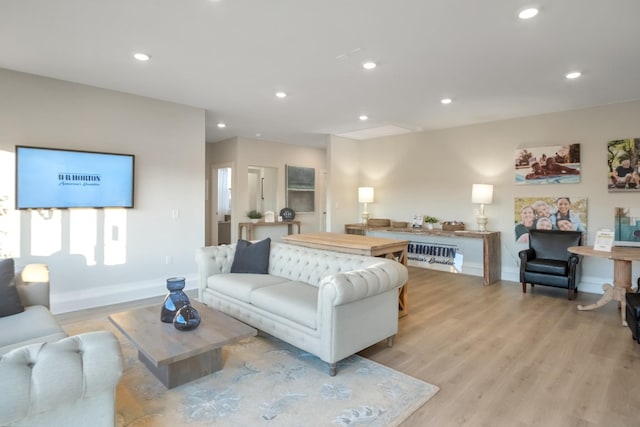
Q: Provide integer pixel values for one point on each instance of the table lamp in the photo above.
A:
(365, 195)
(482, 194)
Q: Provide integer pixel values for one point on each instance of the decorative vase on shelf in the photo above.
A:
(254, 220)
(175, 299)
(186, 319)
(430, 226)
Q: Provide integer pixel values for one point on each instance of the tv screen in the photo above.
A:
(53, 178)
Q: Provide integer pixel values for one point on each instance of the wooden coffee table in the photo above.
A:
(177, 357)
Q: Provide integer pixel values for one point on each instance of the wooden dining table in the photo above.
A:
(622, 258)
(360, 245)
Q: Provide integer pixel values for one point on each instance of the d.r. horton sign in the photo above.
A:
(435, 255)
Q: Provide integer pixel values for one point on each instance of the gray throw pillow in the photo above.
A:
(9, 299)
(251, 257)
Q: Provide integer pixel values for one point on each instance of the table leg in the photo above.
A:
(617, 291)
(608, 296)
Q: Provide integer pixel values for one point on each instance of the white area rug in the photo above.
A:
(265, 381)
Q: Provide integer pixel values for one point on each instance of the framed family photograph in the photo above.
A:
(623, 164)
(554, 164)
(549, 213)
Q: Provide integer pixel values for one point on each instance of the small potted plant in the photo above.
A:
(430, 220)
(254, 215)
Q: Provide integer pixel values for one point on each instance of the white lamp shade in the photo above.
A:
(482, 194)
(35, 273)
(365, 194)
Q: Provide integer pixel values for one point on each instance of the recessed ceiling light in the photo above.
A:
(141, 56)
(281, 94)
(528, 13)
(364, 117)
(573, 75)
(369, 65)
(222, 125)
(446, 100)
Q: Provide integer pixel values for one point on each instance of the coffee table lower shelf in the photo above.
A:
(178, 357)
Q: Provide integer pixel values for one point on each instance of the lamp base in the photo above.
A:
(482, 223)
(365, 218)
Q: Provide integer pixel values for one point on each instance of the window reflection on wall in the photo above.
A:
(115, 236)
(46, 232)
(83, 233)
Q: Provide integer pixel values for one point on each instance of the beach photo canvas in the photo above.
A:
(553, 164)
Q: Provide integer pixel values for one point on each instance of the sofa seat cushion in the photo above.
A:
(547, 266)
(296, 301)
(35, 324)
(240, 285)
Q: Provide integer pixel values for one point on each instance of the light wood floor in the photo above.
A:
(503, 358)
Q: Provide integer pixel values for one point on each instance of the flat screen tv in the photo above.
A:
(48, 178)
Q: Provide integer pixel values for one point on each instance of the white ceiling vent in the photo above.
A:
(377, 132)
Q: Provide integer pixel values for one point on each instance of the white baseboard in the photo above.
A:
(63, 302)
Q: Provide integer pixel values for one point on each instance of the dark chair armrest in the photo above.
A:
(526, 255)
(574, 259)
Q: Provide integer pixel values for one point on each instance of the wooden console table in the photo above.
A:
(622, 258)
(491, 257)
(359, 245)
(250, 226)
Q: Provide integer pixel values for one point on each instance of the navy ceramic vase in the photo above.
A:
(175, 299)
(186, 318)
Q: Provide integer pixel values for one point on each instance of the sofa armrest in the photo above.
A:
(40, 377)
(213, 260)
(342, 288)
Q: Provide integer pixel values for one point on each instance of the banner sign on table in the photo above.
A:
(436, 256)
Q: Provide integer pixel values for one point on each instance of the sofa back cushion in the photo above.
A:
(312, 265)
(9, 300)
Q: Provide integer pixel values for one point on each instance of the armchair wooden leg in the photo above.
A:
(524, 288)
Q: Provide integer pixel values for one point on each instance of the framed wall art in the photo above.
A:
(549, 213)
(554, 164)
(623, 163)
(301, 186)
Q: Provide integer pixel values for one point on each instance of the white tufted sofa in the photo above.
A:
(328, 303)
(50, 379)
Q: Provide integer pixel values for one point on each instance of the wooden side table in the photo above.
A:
(622, 259)
(249, 227)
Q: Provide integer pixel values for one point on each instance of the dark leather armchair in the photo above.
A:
(547, 261)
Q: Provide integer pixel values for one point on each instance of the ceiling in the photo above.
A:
(229, 57)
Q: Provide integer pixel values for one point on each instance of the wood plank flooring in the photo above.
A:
(503, 358)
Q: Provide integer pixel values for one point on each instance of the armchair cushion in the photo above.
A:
(547, 266)
(9, 299)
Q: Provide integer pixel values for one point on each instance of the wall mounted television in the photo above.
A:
(52, 178)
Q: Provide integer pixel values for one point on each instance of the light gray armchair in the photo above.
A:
(50, 379)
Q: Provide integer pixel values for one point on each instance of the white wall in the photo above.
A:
(168, 142)
(343, 156)
(432, 173)
(244, 152)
